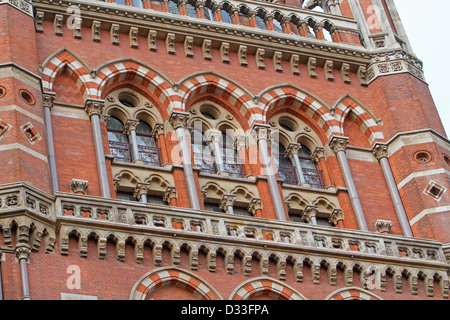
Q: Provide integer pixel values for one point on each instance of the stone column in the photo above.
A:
(292, 152)
(318, 156)
(309, 214)
(23, 254)
(140, 192)
(339, 146)
(178, 121)
(380, 152)
(262, 133)
(214, 139)
(227, 202)
(47, 101)
(130, 130)
(94, 108)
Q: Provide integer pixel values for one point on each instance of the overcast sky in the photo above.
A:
(426, 24)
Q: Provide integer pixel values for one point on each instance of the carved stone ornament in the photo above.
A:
(318, 154)
(292, 149)
(338, 144)
(133, 35)
(189, 46)
(47, 100)
(242, 54)
(383, 226)
(140, 189)
(95, 31)
(170, 43)
(261, 131)
(114, 33)
(336, 216)
(23, 252)
(328, 68)
(225, 52)
(362, 76)
(93, 107)
(345, 72)
(380, 151)
(227, 201)
(260, 58)
(151, 40)
(58, 24)
(39, 21)
(255, 205)
(295, 64)
(79, 186)
(206, 48)
(77, 28)
(277, 61)
(171, 193)
(312, 62)
(309, 212)
(130, 125)
(178, 119)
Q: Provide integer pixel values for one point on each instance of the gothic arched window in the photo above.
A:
(118, 140)
(149, 153)
(313, 176)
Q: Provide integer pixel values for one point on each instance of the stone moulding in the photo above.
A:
(67, 213)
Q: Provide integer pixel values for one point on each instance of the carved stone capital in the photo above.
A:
(158, 130)
(292, 149)
(47, 100)
(140, 189)
(383, 226)
(214, 136)
(130, 125)
(23, 252)
(380, 151)
(255, 205)
(309, 212)
(93, 107)
(318, 154)
(227, 201)
(178, 119)
(338, 144)
(240, 142)
(79, 186)
(336, 216)
(171, 193)
(261, 131)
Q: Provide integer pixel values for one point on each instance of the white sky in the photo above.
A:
(426, 24)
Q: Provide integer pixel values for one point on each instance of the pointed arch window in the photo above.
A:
(149, 153)
(118, 141)
(311, 173)
(286, 169)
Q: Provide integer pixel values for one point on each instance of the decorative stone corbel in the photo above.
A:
(206, 48)
(312, 62)
(134, 36)
(189, 46)
(79, 186)
(114, 33)
(151, 40)
(336, 216)
(58, 24)
(328, 68)
(95, 30)
(171, 193)
(277, 61)
(295, 64)
(170, 43)
(242, 54)
(77, 28)
(345, 72)
(383, 226)
(260, 58)
(362, 76)
(225, 52)
(39, 21)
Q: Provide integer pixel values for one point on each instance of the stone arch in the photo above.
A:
(363, 117)
(172, 276)
(232, 96)
(265, 286)
(310, 109)
(62, 59)
(352, 293)
(116, 72)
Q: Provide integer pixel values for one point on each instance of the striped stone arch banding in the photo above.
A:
(77, 71)
(365, 121)
(352, 294)
(265, 287)
(302, 102)
(224, 89)
(173, 277)
(133, 72)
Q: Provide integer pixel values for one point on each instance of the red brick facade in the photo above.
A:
(119, 260)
